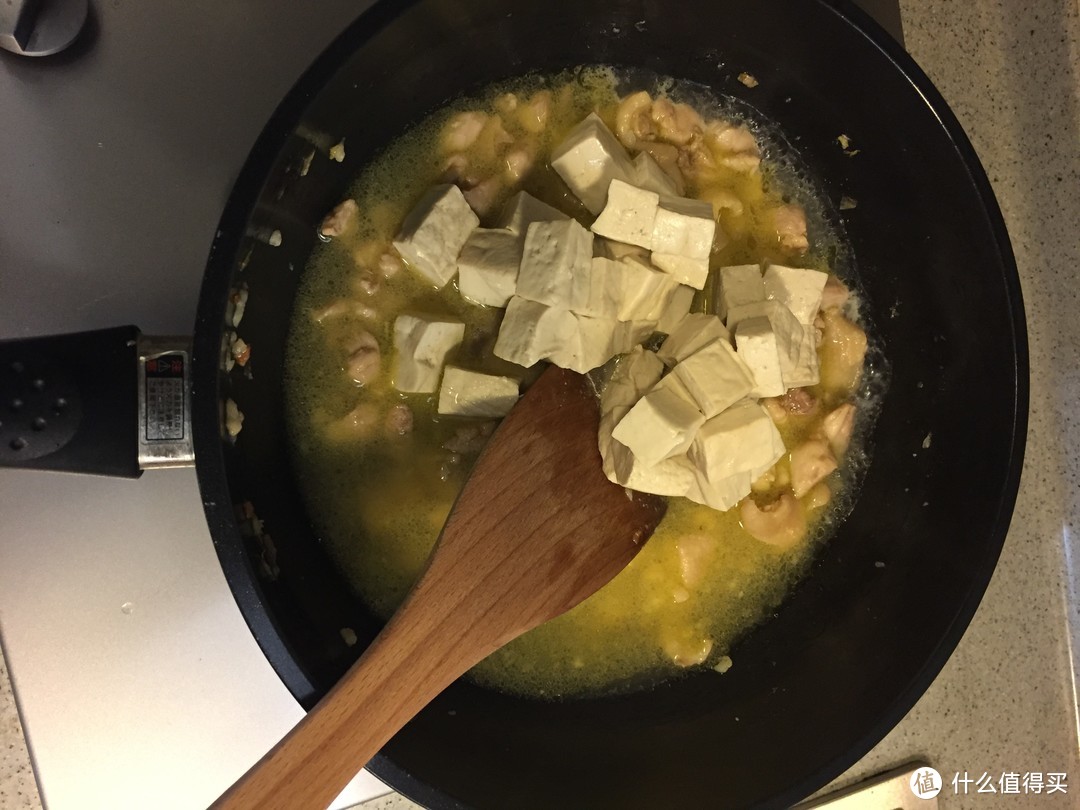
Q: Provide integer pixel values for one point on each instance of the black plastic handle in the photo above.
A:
(70, 402)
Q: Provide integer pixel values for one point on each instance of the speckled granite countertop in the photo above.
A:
(1005, 702)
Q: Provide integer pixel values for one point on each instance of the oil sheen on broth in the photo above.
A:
(380, 470)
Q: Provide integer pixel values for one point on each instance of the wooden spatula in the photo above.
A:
(536, 530)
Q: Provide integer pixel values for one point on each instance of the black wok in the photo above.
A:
(857, 642)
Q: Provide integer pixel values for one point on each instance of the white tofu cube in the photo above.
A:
(676, 386)
(531, 331)
(691, 272)
(470, 393)
(616, 251)
(682, 240)
(633, 376)
(671, 477)
(741, 440)
(589, 159)
(693, 333)
(422, 343)
(646, 291)
(716, 377)
(554, 253)
(599, 292)
(794, 341)
(434, 232)
(629, 334)
(755, 343)
(661, 425)
(677, 309)
(649, 175)
(797, 289)
(739, 285)
(488, 266)
(629, 215)
(588, 344)
(720, 495)
(523, 209)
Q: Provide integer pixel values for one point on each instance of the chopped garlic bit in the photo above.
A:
(337, 151)
(234, 419)
(843, 140)
(348, 635)
(723, 665)
(275, 238)
(847, 203)
(748, 79)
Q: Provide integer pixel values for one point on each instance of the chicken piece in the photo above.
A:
(837, 426)
(696, 551)
(684, 650)
(338, 221)
(399, 420)
(798, 401)
(776, 410)
(780, 523)
(481, 197)
(534, 114)
(357, 425)
(811, 461)
(724, 200)
(462, 131)
(390, 264)
(493, 142)
(341, 308)
(457, 169)
(736, 145)
(633, 121)
(365, 360)
(519, 161)
(777, 476)
(790, 223)
(676, 123)
(835, 293)
(506, 103)
(843, 349)
(818, 497)
(667, 158)
(366, 282)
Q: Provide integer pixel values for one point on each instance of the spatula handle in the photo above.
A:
(402, 670)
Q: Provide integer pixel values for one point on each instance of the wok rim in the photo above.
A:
(207, 395)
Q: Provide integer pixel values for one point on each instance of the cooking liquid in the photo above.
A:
(380, 499)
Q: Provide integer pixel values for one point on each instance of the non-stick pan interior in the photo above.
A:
(860, 639)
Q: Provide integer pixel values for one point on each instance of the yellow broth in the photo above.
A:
(380, 499)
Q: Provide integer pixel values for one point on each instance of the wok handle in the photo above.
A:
(106, 402)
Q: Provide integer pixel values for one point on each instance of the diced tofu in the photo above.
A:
(795, 342)
(617, 251)
(646, 291)
(649, 175)
(682, 240)
(599, 292)
(671, 477)
(422, 343)
(691, 272)
(716, 377)
(554, 253)
(488, 266)
(676, 386)
(634, 375)
(523, 209)
(589, 344)
(661, 425)
(589, 159)
(470, 393)
(629, 215)
(720, 495)
(739, 285)
(693, 333)
(677, 309)
(755, 342)
(531, 331)
(434, 232)
(629, 334)
(798, 290)
(741, 440)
